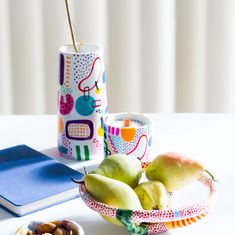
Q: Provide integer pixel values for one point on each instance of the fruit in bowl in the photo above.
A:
(175, 170)
(120, 204)
(153, 195)
(125, 168)
(112, 192)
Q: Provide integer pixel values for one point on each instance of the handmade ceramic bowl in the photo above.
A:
(66, 224)
(152, 222)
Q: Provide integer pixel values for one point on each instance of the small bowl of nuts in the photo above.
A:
(62, 227)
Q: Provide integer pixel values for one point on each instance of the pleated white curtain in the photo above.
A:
(160, 55)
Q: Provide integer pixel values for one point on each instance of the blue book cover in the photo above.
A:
(30, 180)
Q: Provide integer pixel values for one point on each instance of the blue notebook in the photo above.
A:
(30, 180)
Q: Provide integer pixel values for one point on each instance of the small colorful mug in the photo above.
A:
(82, 101)
(127, 133)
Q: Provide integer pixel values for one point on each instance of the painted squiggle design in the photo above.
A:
(138, 143)
(112, 144)
(94, 81)
(97, 143)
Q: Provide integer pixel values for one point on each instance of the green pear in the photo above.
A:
(125, 168)
(153, 195)
(112, 192)
(174, 170)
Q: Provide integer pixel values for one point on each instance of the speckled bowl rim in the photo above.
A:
(157, 216)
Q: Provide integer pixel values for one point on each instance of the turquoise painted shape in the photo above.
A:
(84, 105)
(124, 216)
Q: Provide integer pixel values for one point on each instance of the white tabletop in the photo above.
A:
(209, 138)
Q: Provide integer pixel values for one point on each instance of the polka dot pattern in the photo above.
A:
(82, 64)
(66, 104)
(64, 90)
(64, 142)
(97, 206)
(154, 229)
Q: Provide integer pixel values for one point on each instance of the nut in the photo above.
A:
(61, 231)
(30, 233)
(50, 229)
(46, 228)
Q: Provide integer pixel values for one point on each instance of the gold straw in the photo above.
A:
(71, 27)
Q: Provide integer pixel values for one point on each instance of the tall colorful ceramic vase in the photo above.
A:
(82, 101)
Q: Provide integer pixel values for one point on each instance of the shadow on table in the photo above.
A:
(5, 214)
(54, 152)
(102, 227)
(76, 165)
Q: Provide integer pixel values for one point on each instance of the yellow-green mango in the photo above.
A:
(112, 192)
(153, 195)
(125, 168)
(174, 170)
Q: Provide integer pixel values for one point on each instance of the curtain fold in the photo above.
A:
(220, 57)
(26, 56)
(55, 33)
(5, 61)
(124, 55)
(190, 55)
(160, 55)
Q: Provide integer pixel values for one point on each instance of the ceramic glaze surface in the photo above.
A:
(82, 100)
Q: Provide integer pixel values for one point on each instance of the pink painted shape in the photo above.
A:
(89, 75)
(66, 106)
(135, 152)
(117, 131)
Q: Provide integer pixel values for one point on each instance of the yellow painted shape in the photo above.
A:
(128, 134)
(100, 131)
(60, 124)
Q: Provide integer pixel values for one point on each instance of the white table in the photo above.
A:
(209, 138)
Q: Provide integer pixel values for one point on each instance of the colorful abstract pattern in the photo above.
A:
(82, 100)
(134, 141)
(152, 222)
